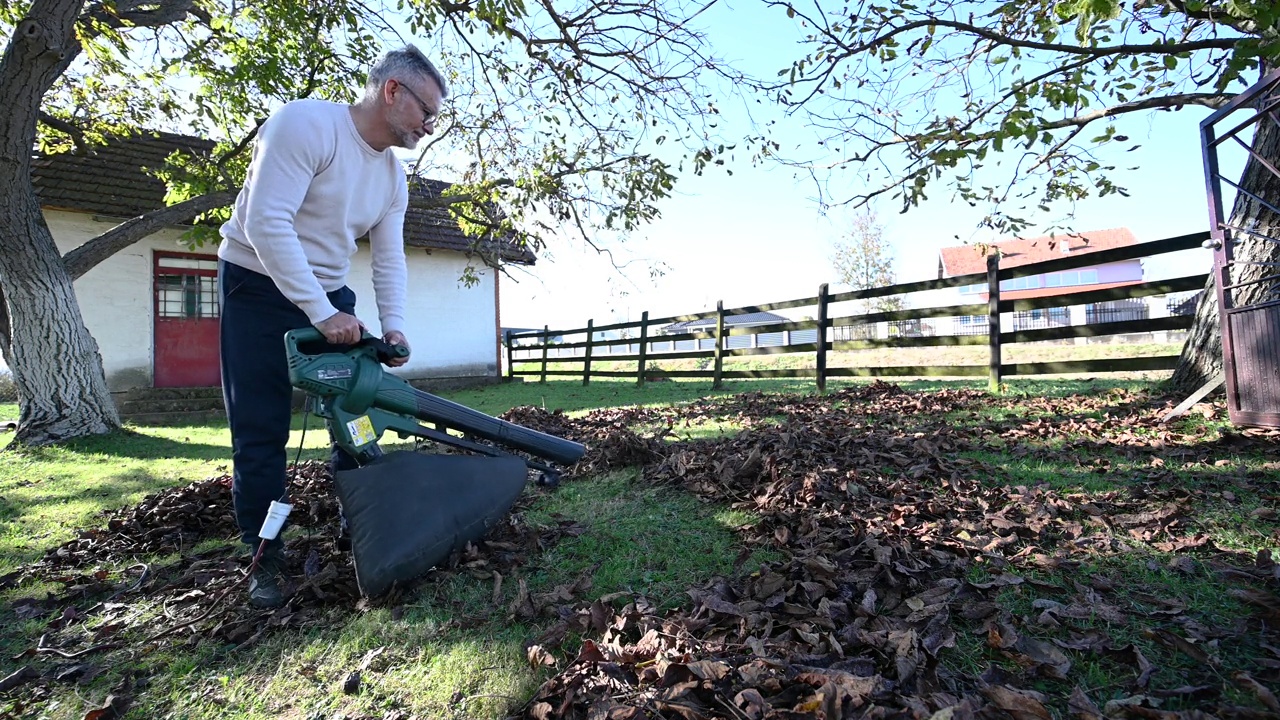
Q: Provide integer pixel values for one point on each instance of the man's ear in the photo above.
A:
(388, 91)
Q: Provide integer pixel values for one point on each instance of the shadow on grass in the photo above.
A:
(39, 514)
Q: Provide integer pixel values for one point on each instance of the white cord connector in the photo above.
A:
(276, 515)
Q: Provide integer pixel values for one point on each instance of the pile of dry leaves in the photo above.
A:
(896, 548)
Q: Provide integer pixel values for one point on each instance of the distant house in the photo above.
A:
(154, 306)
(969, 259)
(741, 320)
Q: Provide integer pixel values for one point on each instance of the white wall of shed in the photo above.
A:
(452, 328)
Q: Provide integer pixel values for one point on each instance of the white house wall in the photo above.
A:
(452, 328)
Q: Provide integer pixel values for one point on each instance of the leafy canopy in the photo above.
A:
(1006, 105)
(564, 117)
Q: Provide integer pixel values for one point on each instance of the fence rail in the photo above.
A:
(1108, 311)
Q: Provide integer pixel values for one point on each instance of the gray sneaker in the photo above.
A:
(265, 583)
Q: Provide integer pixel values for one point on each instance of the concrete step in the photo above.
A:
(133, 407)
(169, 393)
(170, 405)
(175, 419)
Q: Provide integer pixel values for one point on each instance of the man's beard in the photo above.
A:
(407, 139)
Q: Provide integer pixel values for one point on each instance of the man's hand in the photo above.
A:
(395, 337)
(341, 329)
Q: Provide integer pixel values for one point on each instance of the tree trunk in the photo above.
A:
(1202, 355)
(62, 390)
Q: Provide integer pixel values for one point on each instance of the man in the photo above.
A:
(322, 174)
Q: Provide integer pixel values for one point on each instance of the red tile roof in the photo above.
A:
(114, 180)
(967, 259)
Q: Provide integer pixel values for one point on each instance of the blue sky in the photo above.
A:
(758, 236)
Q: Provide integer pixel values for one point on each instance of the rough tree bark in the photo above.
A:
(65, 396)
(1202, 355)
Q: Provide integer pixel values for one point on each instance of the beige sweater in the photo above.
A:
(313, 187)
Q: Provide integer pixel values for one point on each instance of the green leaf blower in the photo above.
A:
(406, 511)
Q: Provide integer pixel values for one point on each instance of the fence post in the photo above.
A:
(586, 362)
(546, 342)
(644, 336)
(717, 382)
(511, 357)
(823, 299)
(993, 321)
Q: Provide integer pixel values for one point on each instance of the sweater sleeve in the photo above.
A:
(286, 158)
(390, 275)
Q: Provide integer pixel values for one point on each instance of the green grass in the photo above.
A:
(656, 542)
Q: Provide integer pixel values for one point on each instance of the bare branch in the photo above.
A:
(1209, 100)
(83, 259)
(1001, 39)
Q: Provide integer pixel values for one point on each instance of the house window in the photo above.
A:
(973, 289)
(1068, 278)
(1023, 283)
(186, 296)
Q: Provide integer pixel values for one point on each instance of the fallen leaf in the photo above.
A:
(1049, 659)
(539, 656)
(18, 677)
(1264, 695)
(113, 709)
(1082, 707)
(1021, 704)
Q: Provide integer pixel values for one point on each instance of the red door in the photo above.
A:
(187, 310)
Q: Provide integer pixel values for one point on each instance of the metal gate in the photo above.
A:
(1250, 330)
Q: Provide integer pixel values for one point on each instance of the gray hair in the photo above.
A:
(398, 63)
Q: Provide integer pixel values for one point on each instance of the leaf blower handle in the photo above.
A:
(383, 349)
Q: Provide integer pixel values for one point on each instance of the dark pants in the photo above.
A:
(256, 389)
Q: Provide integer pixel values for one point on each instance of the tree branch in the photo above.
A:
(1209, 100)
(1164, 48)
(143, 13)
(66, 128)
(84, 258)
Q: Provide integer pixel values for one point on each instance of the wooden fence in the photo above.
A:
(533, 348)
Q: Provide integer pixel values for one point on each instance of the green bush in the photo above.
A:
(8, 391)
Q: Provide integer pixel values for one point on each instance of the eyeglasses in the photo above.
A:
(429, 116)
